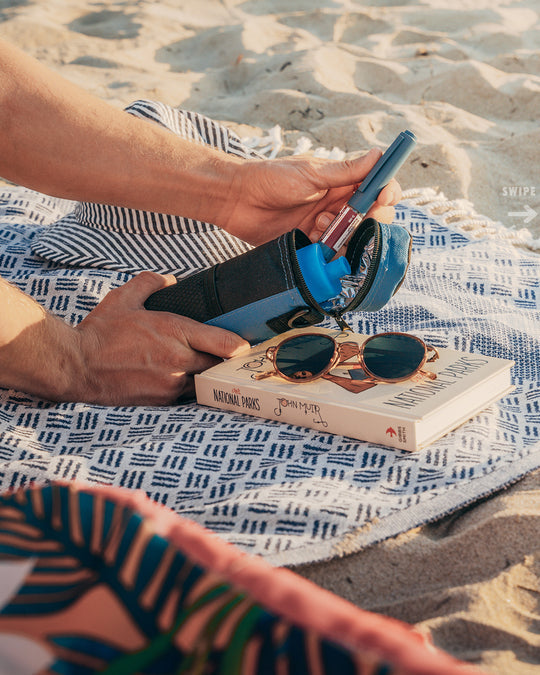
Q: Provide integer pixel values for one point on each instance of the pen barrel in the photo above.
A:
(383, 171)
(338, 232)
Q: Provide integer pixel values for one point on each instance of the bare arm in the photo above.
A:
(58, 139)
(120, 354)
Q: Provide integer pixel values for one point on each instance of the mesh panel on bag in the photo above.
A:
(196, 300)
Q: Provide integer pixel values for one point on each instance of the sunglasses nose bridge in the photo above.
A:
(346, 350)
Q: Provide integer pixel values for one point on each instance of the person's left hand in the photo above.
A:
(275, 196)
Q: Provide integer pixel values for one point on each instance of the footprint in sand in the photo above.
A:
(94, 62)
(108, 24)
(9, 8)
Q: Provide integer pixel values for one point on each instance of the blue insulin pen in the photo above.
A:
(351, 215)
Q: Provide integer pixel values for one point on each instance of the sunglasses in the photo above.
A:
(386, 357)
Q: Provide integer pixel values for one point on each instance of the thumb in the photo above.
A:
(138, 289)
(349, 171)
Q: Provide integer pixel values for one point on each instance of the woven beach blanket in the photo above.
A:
(292, 494)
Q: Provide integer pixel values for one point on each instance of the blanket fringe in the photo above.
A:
(459, 213)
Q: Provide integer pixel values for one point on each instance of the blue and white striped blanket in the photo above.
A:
(291, 494)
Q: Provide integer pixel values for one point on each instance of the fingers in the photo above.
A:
(322, 221)
(381, 210)
(195, 362)
(134, 356)
(384, 214)
(390, 194)
(206, 347)
(133, 293)
(210, 340)
(200, 348)
(353, 171)
(348, 171)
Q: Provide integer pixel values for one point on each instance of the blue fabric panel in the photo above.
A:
(250, 320)
(393, 266)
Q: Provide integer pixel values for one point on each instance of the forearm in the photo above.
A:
(120, 354)
(39, 352)
(60, 140)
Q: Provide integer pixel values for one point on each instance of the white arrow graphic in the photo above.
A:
(528, 214)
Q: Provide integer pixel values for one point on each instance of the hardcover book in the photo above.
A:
(407, 415)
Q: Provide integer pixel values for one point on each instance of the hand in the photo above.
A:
(278, 195)
(133, 356)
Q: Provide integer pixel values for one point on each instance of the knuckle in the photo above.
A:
(350, 164)
(147, 276)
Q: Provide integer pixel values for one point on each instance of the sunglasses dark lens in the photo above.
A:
(304, 356)
(393, 356)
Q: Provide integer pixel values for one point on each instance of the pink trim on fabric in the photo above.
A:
(290, 596)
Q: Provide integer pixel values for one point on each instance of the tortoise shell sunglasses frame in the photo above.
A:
(298, 368)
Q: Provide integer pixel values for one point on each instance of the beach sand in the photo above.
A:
(352, 75)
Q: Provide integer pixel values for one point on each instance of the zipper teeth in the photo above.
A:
(304, 290)
(372, 272)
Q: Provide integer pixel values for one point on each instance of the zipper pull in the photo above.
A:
(343, 325)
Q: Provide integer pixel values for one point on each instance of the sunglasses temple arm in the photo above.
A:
(263, 376)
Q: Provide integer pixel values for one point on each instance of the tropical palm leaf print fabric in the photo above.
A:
(88, 584)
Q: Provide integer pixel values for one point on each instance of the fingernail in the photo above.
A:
(324, 220)
(241, 349)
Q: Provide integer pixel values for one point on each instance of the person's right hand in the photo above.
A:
(133, 356)
(272, 196)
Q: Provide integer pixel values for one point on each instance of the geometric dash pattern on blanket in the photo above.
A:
(292, 494)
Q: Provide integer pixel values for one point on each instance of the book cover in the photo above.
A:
(406, 415)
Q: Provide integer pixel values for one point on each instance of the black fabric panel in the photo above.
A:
(191, 296)
(252, 276)
(260, 273)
